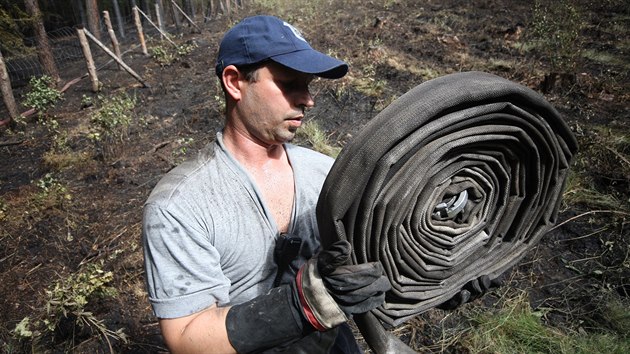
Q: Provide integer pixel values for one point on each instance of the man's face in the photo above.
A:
(272, 107)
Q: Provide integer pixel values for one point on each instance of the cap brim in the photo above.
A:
(313, 62)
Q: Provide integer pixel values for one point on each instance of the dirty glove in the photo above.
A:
(331, 291)
(325, 293)
(471, 291)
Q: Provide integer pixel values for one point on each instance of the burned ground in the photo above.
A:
(62, 209)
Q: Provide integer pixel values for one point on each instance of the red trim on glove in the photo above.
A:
(306, 309)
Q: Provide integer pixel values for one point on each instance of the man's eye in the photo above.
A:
(289, 85)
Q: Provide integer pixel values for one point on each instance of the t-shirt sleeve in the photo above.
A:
(183, 271)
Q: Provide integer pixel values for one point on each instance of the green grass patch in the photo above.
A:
(517, 328)
(313, 135)
(606, 58)
(601, 169)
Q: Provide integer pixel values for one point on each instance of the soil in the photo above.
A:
(391, 46)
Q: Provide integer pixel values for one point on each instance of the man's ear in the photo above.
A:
(231, 82)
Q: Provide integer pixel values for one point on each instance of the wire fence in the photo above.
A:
(67, 50)
(65, 47)
(68, 54)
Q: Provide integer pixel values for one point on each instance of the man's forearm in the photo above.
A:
(203, 332)
(261, 323)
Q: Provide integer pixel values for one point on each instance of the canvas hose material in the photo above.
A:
(456, 179)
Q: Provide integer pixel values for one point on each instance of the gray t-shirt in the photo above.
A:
(208, 236)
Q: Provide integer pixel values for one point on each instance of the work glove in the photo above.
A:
(471, 291)
(325, 293)
(331, 291)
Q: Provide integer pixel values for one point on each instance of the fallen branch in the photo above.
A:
(9, 143)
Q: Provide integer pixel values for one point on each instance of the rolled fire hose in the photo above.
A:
(456, 179)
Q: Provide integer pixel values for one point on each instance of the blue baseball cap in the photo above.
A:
(259, 38)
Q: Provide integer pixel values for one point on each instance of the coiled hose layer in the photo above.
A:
(458, 178)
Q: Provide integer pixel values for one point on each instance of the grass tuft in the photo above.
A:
(517, 328)
(314, 136)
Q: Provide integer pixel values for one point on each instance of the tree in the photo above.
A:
(11, 38)
(44, 52)
(91, 7)
(7, 93)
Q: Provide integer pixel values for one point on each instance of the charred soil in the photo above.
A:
(67, 201)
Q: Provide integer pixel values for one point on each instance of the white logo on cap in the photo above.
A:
(295, 31)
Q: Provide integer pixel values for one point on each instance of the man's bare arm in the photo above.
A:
(202, 332)
(326, 292)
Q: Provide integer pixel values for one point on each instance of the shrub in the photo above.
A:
(110, 123)
(166, 56)
(114, 116)
(67, 302)
(52, 193)
(555, 32)
(43, 95)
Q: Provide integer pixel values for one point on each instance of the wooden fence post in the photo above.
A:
(112, 35)
(85, 46)
(120, 62)
(7, 91)
(136, 18)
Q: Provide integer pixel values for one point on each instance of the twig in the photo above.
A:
(589, 213)
(148, 181)
(585, 236)
(616, 153)
(564, 280)
(9, 143)
(158, 146)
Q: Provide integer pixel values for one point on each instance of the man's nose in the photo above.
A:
(305, 99)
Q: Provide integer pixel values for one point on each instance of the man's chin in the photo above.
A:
(290, 135)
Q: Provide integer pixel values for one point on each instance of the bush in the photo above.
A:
(67, 302)
(109, 124)
(555, 32)
(43, 94)
(167, 56)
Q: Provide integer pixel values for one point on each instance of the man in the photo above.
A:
(231, 238)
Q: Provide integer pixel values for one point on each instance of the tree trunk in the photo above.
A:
(191, 9)
(77, 5)
(176, 18)
(7, 91)
(119, 19)
(146, 8)
(91, 7)
(44, 52)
